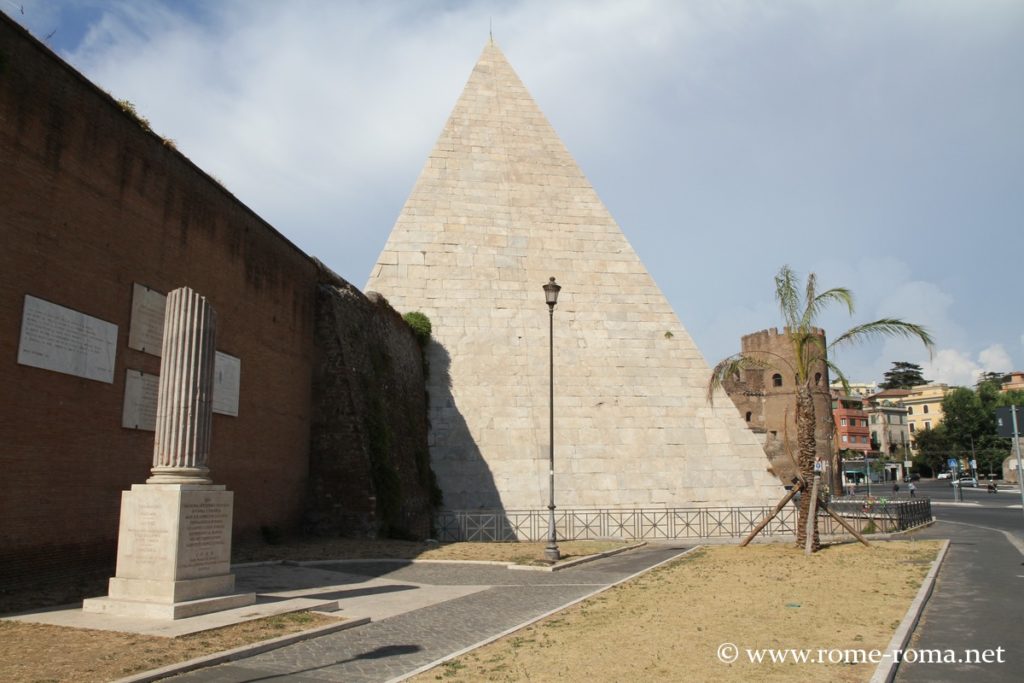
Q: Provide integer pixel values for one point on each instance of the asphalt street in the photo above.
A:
(976, 604)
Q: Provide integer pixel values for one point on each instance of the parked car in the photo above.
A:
(966, 480)
(944, 475)
(912, 477)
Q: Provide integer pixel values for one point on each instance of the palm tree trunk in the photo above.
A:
(807, 452)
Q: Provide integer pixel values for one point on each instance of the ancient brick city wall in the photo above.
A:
(91, 203)
(770, 410)
(370, 464)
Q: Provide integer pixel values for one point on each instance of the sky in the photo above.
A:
(879, 145)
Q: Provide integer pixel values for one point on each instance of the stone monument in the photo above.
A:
(174, 541)
(499, 207)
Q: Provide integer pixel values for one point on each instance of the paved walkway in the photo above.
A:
(976, 604)
(498, 600)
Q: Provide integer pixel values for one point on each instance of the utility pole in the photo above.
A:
(1016, 442)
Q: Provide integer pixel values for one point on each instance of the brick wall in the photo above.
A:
(370, 469)
(90, 203)
(771, 410)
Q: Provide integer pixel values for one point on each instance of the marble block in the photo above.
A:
(173, 553)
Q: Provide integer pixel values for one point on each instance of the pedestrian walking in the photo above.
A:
(895, 487)
(912, 489)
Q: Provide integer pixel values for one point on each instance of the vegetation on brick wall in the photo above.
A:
(128, 107)
(420, 325)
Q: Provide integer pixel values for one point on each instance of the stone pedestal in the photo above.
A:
(174, 543)
(173, 554)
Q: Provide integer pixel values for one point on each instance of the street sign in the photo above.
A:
(1004, 421)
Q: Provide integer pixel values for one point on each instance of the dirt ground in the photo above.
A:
(668, 625)
(28, 652)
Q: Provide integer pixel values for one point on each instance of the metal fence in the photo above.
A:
(670, 523)
(885, 514)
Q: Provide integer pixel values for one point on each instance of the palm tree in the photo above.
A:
(808, 350)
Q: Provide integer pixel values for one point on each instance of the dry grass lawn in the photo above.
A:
(39, 652)
(668, 625)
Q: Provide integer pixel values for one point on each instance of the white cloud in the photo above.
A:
(995, 359)
(952, 367)
(956, 367)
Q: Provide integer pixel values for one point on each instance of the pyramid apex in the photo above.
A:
(499, 207)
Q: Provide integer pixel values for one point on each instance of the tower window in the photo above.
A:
(776, 380)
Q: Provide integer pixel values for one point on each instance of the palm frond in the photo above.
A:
(729, 367)
(884, 327)
(811, 289)
(809, 347)
(815, 306)
(835, 370)
(786, 282)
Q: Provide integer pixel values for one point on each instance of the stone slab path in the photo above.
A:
(501, 599)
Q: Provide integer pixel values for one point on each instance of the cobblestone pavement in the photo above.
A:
(392, 647)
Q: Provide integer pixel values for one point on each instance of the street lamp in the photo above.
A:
(551, 290)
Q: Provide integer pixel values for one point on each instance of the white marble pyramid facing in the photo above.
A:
(499, 208)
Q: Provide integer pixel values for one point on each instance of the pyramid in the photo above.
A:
(500, 207)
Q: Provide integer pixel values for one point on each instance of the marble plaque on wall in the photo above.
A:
(227, 374)
(140, 391)
(65, 340)
(146, 329)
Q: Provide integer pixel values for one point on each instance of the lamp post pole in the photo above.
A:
(551, 289)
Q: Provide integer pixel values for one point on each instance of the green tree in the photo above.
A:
(903, 375)
(992, 378)
(800, 313)
(1010, 398)
(933, 448)
(965, 419)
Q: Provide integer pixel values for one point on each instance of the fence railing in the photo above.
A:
(886, 514)
(671, 523)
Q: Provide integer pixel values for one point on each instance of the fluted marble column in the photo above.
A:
(184, 410)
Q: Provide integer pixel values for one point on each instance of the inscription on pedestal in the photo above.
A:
(205, 534)
(151, 535)
(145, 545)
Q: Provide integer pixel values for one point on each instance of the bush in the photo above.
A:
(420, 326)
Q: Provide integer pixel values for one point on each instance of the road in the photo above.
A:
(1000, 511)
(976, 603)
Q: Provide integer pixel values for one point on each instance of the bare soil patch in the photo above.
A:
(668, 625)
(39, 652)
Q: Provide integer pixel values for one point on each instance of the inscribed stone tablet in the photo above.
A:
(65, 340)
(140, 392)
(227, 373)
(146, 330)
